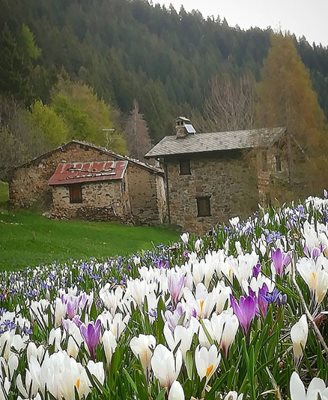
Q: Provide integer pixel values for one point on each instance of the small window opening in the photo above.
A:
(75, 193)
(185, 167)
(278, 164)
(203, 206)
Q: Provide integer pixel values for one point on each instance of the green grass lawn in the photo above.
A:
(29, 239)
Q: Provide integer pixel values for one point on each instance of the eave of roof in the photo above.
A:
(98, 148)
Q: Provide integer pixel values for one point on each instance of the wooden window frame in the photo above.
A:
(203, 206)
(75, 193)
(184, 167)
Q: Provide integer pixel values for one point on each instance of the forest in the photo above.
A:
(105, 71)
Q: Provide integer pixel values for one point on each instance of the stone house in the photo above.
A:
(144, 184)
(91, 190)
(211, 177)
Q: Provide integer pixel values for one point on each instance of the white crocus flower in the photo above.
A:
(142, 347)
(207, 361)
(198, 245)
(185, 237)
(180, 335)
(109, 343)
(9, 340)
(315, 275)
(60, 311)
(222, 295)
(111, 298)
(233, 396)
(224, 327)
(176, 392)
(165, 365)
(202, 335)
(316, 388)
(37, 352)
(97, 370)
(4, 389)
(299, 334)
(62, 375)
(31, 385)
(55, 338)
(202, 303)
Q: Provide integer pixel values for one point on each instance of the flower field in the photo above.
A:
(240, 313)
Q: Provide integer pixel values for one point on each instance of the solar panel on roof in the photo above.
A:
(190, 128)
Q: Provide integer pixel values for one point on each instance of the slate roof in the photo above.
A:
(216, 141)
(93, 171)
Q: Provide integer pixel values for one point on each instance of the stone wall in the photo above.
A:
(101, 201)
(270, 171)
(225, 177)
(29, 183)
(144, 196)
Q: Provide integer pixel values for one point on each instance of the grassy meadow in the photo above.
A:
(29, 239)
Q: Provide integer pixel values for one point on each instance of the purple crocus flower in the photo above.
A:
(262, 300)
(314, 252)
(245, 310)
(91, 335)
(176, 283)
(256, 270)
(280, 260)
(71, 308)
(276, 297)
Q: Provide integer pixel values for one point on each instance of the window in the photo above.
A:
(203, 206)
(75, 193)
(278, 164)
(264, 161)
(185, 167)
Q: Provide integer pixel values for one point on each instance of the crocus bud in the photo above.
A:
(299, 334)
(176, 392)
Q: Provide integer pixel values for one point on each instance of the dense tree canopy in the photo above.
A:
(129, 49)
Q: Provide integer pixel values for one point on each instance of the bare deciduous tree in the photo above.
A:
(137, 134)
(230, 105)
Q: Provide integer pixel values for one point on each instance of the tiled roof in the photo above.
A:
(216, 141)
(93, 171)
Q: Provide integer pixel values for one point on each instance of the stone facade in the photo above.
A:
(101, 201)
(224, 178)
(29, 183)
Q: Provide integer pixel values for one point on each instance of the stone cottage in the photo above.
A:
(211, 177)
(144, 184)
(95, 190)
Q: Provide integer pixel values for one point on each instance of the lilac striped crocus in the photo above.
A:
(176, 284)
(280, 260)
(91, 336)
(245, 310)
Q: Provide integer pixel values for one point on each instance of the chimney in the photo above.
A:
(183, 127)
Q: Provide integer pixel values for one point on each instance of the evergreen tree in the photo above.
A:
(15, 67)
